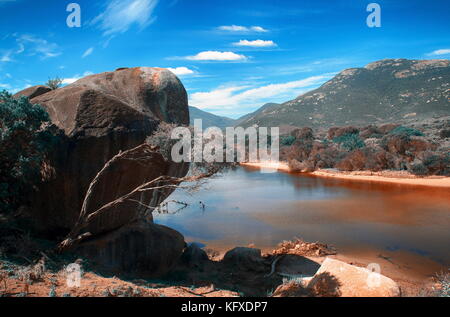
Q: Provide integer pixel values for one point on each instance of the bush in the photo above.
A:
(54, 83)
(287, 140)
(350, 141)
(405, 131)
(24, 142)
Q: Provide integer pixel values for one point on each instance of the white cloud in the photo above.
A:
(216, 56)
(256, 43)
(239, 28)
(258, 29)
(5, 86)
(120, 15)
(37, 46)
(245, 97)
(71, 80)
(444, 51)
(88, 52)
(17, 89)
(181, 71)
(6, 57)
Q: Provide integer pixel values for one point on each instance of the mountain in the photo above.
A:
(209, 119)
(383, 91)
(262, 110)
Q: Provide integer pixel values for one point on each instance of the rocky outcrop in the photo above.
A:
(139, 248)
(99, 116)
(105, 118)
(32, 92)
(245, 259)
(336, 278)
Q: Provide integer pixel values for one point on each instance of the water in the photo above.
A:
(244, 207)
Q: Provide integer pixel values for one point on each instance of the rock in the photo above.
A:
(336, 278)
(141, 249)
(132, 169)
(293, 289)
(153, 92)
(32, 92)
(98, 116)
(194, 256)
(245, 259)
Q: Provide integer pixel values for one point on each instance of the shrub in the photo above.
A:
(350, 141)
(418, 169)
(406, 131)
(54, 83)
(356, 160)
(24, 143)
(287, 140)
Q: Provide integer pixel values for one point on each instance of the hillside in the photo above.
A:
(383, 91)
(261, 111)
(209, 119)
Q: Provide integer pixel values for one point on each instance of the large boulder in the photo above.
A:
(32, 92)
(245, 259)
(99, 116)
(336, 278)
(140, 249)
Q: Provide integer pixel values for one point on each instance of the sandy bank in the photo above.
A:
(393, 177)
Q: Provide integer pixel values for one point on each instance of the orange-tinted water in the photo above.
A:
(246, 207)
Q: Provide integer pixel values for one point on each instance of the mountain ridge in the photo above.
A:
(209, 119)
(383, 91)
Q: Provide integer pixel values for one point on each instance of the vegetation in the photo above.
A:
(350, 141)
(406, 131)
(24, 142)
(54, 83)
(288, 140)
(387, 147)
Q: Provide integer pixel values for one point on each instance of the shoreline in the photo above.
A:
(392, 177)
(410, 271)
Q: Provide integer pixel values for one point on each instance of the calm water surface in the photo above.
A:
(245, 206)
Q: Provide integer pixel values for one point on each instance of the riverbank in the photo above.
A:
(413, 273)
(393, 177)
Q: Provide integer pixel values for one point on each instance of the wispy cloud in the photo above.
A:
(33, 45)
(30, 45)
(88, 52)
(181, 71)
(244, 97)
(240, 28)
(255, 43)
(217, 56)
(6, 57)
(120, 15)
(444, 51)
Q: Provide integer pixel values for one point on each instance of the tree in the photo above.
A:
(54, 83)
(24, 142)
(161, 142)
(350, 141)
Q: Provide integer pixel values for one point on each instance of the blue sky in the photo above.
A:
(232, 56)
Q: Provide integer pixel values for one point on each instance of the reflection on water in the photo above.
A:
(246, 207)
